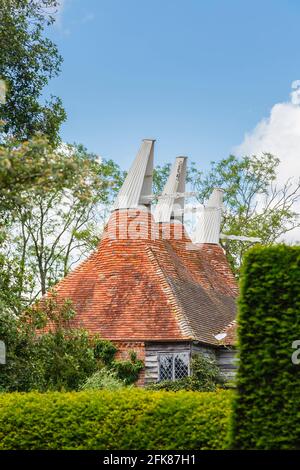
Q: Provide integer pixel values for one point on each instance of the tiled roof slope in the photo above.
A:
(231, 334)
(151, 289)
(203, 285)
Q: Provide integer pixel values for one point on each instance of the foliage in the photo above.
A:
(23, 369)
(160, 176)
(61, 358)
(67, 359)
(105, 351)
(10, 280)
(28, 60)
(205, 376)
(32, 165)
(52, 203)
(170, 385)
(128, 371)
(131, 419)
(268, 383)
(103, 379)
(67, 353)
(256, 206)
(125, 371)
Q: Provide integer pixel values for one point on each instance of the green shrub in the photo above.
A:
(105, 351)
(170, 385)
(266, 412)
(126, 419)
(67, 358)
(103, 379)
(128, 371)
(205, 377)
(23, 369)
(62, 358)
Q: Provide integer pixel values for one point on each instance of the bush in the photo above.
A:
(57, 360)
(67, 358)
(268, 383)
(205, 377)
(128, 371)
(60, 359)
(126, 419)
(23, 369)
(103, 379)
(105, 351)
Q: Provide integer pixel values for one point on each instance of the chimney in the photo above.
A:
(136, 190)
(170, 206)
(208, 227)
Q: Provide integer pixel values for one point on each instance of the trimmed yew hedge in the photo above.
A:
(126, 419)
(266, 410)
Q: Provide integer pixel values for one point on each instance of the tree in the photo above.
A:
(52, 204)
(28, 60)
(29, 165)
(160, 176)
(10, 281)
(256, 205)
(23, 370)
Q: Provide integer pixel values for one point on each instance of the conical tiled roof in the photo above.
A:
(151, 289)
(147, 281)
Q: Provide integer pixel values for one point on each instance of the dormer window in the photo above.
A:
(174, 366)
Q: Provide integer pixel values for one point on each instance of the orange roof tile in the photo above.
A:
(139, 286)
(230, 331)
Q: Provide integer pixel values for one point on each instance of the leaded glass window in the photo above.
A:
(166, 367)
(173, 366)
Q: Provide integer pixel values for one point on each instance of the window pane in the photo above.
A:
(165, 366)
(181, 364)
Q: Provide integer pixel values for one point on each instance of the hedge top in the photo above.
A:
(126, 419)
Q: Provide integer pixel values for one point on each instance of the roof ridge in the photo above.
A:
(183, 322)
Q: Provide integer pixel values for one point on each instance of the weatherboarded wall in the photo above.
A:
(225, 357)
(227, 361)
(152, 351)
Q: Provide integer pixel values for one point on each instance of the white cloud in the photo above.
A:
(279, 134)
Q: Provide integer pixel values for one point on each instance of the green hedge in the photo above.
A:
(125, 419)
(266, 410)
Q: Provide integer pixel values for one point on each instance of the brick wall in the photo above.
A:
(123, 353)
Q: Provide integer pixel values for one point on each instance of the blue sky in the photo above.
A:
(194, 74)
